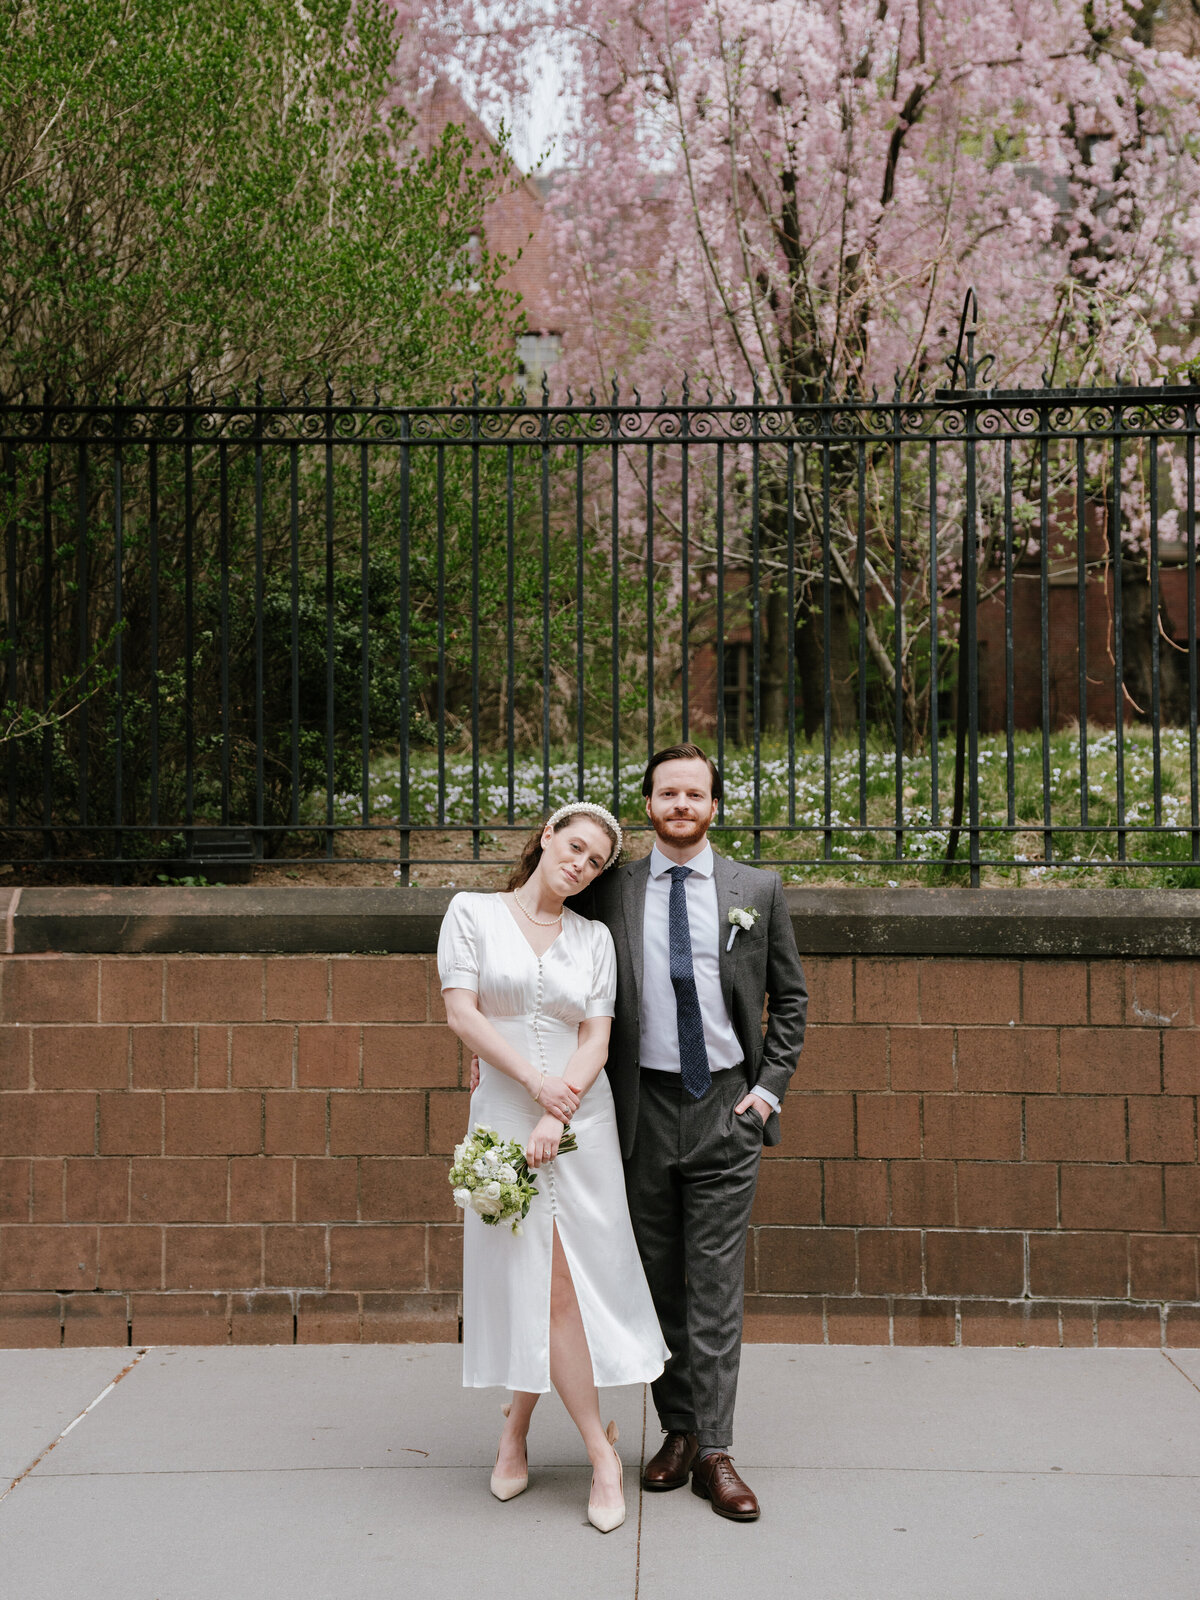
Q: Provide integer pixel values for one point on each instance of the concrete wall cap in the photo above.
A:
(828, 921)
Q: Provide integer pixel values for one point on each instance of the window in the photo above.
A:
(536, 354)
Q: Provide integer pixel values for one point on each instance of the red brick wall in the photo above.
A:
(206, 1148)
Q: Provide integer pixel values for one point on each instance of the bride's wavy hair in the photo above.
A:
(532, 853)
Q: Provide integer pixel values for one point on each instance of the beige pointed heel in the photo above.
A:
(606, 1518)
(509, 1488)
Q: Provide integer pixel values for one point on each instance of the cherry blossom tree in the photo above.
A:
(795, 195)
(800, 191)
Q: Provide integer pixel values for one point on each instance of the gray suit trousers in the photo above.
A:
(691, 1178)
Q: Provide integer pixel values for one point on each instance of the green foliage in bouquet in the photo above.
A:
(491, 1177)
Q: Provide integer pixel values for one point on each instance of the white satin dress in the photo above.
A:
(537, 1004)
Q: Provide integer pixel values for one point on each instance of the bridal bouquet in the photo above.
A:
(492, 1177)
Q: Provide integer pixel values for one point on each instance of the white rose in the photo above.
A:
(507, 1174)
(492, 1190)
(479, 1168)
(462, 1198)
(484, 1205)
(492, 1157)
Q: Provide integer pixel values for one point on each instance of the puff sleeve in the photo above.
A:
(602, 999)
(457, 953)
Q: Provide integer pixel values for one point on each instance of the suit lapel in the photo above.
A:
(726, 876)
(633, 906)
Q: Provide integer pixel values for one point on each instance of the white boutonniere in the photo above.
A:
(740, 917)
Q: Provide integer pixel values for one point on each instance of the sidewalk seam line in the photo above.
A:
(1187, 1377)
(103, 1395)
(637, 1562)
(937, 1472)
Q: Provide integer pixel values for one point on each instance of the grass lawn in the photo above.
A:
(818, 835)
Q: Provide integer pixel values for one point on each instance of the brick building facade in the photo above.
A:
(513, 228)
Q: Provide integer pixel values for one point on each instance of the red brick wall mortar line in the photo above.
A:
(104, 1393)
(9, 921)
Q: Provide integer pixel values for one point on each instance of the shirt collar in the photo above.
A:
(701, 865)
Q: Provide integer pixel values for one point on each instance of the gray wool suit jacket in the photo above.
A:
(763, 966)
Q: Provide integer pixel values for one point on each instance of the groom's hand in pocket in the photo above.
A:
(761, 1106)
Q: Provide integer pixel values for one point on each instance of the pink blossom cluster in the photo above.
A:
(793, 189)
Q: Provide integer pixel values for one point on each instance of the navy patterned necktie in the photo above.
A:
(693, 1057)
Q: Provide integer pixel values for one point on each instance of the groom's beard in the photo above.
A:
(675, 835)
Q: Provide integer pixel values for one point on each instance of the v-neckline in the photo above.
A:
(525, 937)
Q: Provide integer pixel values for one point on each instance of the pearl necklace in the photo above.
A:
(538, 922)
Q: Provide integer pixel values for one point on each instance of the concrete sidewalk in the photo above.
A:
(325, 1472)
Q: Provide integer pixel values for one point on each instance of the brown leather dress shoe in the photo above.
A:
(670, 1467)
(715, 1480)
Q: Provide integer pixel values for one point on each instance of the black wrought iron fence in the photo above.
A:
(918, 631)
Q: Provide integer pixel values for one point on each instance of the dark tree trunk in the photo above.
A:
(775, 659)
(810, 662)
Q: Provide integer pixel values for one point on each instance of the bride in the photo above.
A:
(530, 987)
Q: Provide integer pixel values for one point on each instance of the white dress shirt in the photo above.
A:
(659, 1025)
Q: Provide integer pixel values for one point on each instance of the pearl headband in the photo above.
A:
(587, 809)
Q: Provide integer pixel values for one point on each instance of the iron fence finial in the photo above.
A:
(958, 366)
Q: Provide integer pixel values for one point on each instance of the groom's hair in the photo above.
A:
(683, 752)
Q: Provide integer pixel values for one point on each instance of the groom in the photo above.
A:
(697, 1087)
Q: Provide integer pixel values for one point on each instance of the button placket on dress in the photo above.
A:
(537, 1033)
